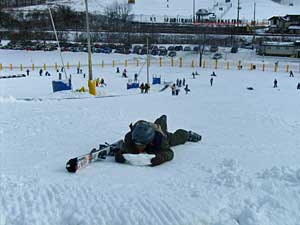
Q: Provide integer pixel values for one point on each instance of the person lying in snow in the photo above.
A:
(153, 138)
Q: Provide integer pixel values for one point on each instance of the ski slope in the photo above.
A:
(245, 171)
(143, 9)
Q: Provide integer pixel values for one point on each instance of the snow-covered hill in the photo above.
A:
(245, 171)
(179, 8)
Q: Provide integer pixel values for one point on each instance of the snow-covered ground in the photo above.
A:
(245, 171)
(178, 8)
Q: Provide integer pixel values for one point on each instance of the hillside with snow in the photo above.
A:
(245, 170)
(144, 9)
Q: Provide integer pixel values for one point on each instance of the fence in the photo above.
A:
(170, 62)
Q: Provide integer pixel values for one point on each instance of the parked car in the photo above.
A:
(163, 52)
(171, 48)
(178, 48)
(137, 49)
(196, 49)
(217, 56)
(234, 49)
(172, 54)
(187, 49)
(213, 48)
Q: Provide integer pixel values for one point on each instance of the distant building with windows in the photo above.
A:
(289, 24)
(20, 3)
(290, 49)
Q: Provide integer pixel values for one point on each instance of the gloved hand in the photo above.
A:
(157, 160)
(119, 157)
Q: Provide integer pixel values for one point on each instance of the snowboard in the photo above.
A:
(104, 150)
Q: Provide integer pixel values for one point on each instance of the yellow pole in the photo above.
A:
(172, 61)
(68, 65)
(193, 63)
(10, 66)
(227, 65)
(55, 66)
(45, 67)
(204, 63)
(160, 61)
(239, 65)
(1, 66)
(275, 68)
(137, 62)
(216, 64)
(113, 63)
(102, 64)
(78, 65)
(180, 62)
(126, 62)
(264, 66)
(21, 67)
(92, 87)
(287, 68)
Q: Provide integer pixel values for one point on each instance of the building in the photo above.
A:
(289, 24)
(289, 49)
(20, 3)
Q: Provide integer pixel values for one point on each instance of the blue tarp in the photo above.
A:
(61, 86)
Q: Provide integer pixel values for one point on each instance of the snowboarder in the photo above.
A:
(211, 81)
(275, 83)
(78, 70)
(298, 86)
(154, 138)
(27, 72)
(118, 70)
(102, 83)
(291, 73)
(187, 90)
(41, 72)
(193, 74)
(213, 74)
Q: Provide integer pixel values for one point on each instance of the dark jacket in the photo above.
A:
(159, 147)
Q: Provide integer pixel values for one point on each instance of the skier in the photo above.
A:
(147, 88)
(298, 86)
(135, 77)
(118, 70)
(173, 88)
(213, 74)
(211, 81)
(27, 72)
(41, 72)
(291, 73)
(183, 82)
(187, 90)
(275, 83)
(154, 138)
(142, 87)
(124, 74)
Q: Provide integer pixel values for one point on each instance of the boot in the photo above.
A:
(194, 137)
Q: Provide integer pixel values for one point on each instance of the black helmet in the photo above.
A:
(143, 133)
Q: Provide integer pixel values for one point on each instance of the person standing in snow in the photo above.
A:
(153, 138)
(275, 83)
(211, 81)
(291, 73)
(298, 86)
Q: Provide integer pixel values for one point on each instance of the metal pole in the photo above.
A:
(238, 13)
(147, 60)
(89, 41)
(193, 11)
(59, 48)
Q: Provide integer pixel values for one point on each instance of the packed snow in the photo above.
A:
(245, 171)
(144, 9)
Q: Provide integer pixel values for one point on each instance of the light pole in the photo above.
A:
(89, 41)
(238, 13)
(193, 11)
